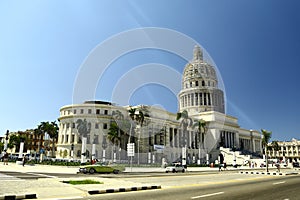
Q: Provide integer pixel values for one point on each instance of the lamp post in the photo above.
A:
(83, 150)
(104, 146)
(72, 151)
(6, 140)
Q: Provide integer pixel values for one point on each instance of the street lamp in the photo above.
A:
(6, 140)
(72, 151)
(104, 146)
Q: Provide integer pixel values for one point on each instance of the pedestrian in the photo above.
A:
(24, 160)
(224, 166)
(220, 167)
(5, 159)
(277, 166)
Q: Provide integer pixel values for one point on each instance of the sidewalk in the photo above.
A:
(42, 187)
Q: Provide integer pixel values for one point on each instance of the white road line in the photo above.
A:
(279, 183)
(44, 175)
(207, 195)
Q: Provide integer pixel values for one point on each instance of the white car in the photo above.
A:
(176, 167)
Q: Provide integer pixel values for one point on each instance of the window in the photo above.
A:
(74, 111)
(105, 112)
(73, 125)
(68, 125)
(81, 111)
(203, 83)
(104, 126)
(96, 126)
(98, 111)
(191, 84)
(197, 83)
(90, 111)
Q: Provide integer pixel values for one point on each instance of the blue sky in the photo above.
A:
(255, 45)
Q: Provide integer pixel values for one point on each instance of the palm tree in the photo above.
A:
(38, 133)
(51, 128)
(265, 140)
(83, 127)
(185, 123)
(113, 134)
(275, 146)
(132, 116)
(119, 119)
(202, 129)
(139, 118)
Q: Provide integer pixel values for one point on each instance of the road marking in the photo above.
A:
(279, 183)
(207, 195)
(38, 174)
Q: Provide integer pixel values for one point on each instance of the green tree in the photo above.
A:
(51, 128)
(185, 122)
(132, 116)
(275, 146)
(1, 146)
(138, 116)
(16, 139)
(38, 134)
(265, 140)
(113, 135)
(65, 153)
(202, 129)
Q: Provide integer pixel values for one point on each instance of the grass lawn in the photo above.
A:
(80, 182)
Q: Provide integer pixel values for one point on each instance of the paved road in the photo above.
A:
(279, 188)
(47, 181)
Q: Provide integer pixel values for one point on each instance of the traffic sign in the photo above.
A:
(130, 149)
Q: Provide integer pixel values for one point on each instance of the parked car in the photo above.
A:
(176, 167)
(101, 168)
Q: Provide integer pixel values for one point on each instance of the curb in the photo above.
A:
(270, 173)
(13, 197)
(91, 192)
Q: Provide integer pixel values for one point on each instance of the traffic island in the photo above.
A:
(269, 173)
(91, 192)
(15, 197)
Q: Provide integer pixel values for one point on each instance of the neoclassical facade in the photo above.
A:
(85, 128)
(287, 151)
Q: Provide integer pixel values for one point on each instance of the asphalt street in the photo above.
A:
(47, 182)
(279, 188)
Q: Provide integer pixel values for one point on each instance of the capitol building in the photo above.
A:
(198, 133)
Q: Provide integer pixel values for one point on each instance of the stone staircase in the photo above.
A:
(239, 157)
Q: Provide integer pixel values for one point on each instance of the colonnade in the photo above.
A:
(201, 99)
(228, 139)
(178, 139)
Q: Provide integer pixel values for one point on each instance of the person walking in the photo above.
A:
(221, 160)
(24, 160)
(224, 166)
(278, 166)
(5, 159)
